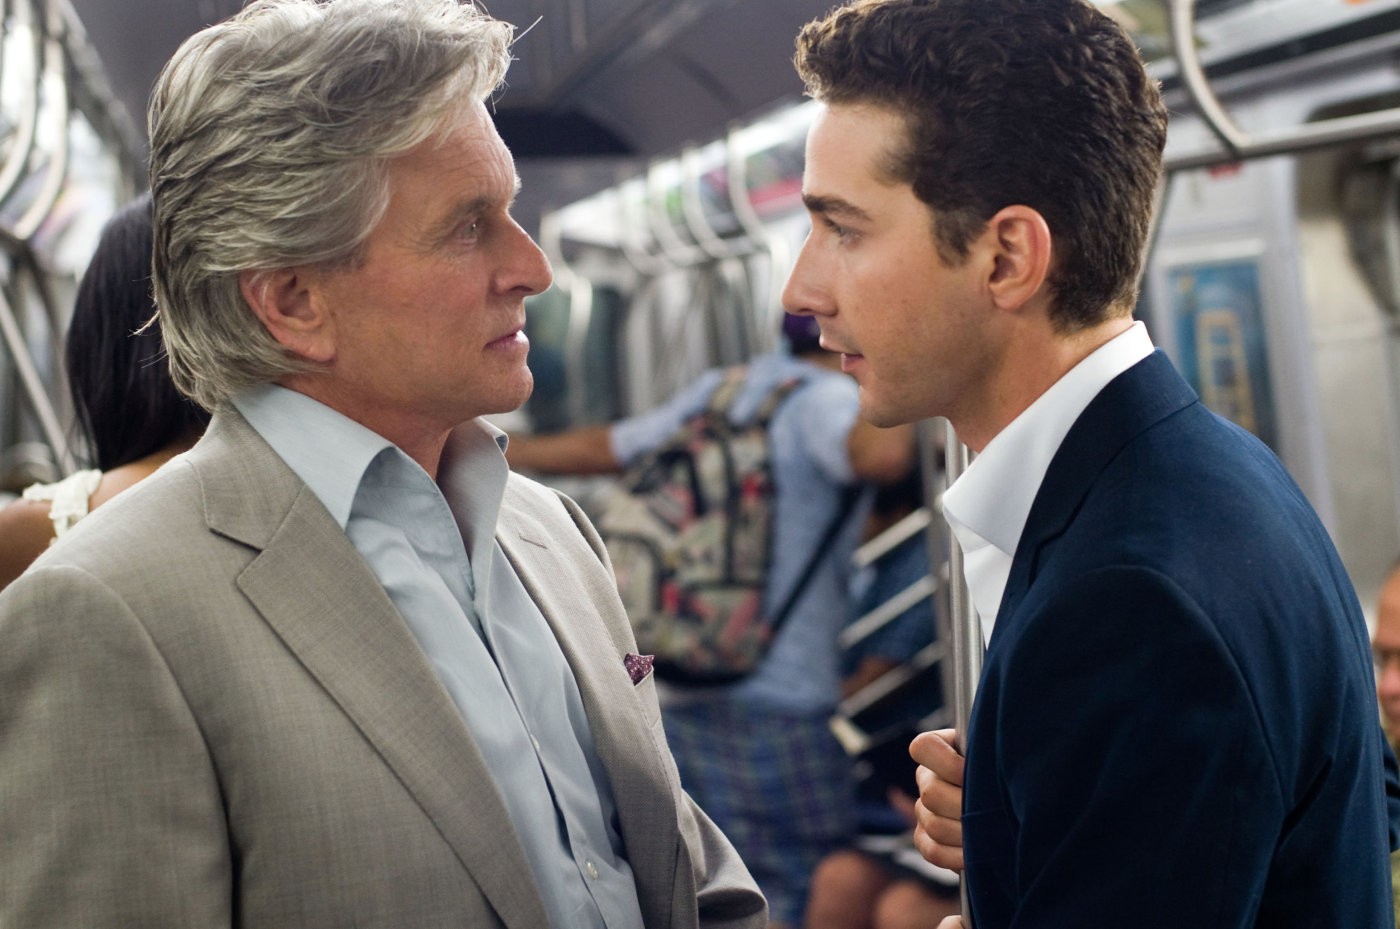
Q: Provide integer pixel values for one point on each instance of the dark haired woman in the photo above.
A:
(128, 413)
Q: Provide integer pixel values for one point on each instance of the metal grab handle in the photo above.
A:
(55, 85)
(1193, 78)
(12, 172)
(1237, 145)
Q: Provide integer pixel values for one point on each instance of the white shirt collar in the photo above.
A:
(988, 505)
(326, 449)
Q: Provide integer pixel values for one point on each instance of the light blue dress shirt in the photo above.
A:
(491, 647)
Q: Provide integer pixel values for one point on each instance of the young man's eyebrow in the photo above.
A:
(833, 206)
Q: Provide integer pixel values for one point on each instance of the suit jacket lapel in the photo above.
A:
(639, 783)
(314, 589)
(1144, 394)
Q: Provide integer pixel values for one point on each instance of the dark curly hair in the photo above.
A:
(1043, 103)
(125, 404)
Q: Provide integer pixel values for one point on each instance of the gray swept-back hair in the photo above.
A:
(270, 138)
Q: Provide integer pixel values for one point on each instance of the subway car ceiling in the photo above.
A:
(601, 87)
(597, 87)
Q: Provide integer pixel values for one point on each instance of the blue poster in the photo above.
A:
(1220, 335)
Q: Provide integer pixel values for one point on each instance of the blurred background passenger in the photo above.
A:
(1385, 647)
(757, 755)
(127, 413)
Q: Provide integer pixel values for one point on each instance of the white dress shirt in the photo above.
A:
(486, 639)
(988, 505)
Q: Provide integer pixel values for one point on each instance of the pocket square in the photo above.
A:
(638, 666)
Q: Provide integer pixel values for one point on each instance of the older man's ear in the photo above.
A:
(284, 300)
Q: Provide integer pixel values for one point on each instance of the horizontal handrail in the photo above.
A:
(1235, 143)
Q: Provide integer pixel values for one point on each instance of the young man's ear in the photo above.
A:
(287, 308)
(1021, 241)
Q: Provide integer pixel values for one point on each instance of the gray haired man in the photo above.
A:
(287, 681)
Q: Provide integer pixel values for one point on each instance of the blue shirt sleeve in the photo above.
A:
(636, 435)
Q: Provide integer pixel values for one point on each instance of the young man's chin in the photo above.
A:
(877, 415)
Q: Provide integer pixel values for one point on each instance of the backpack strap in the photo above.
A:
(775, 399)
(722, 399)
(723, 396)
(848, 502)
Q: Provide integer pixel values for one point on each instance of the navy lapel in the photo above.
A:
(1141, 396)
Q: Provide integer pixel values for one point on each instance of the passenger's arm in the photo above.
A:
(587, 450)
(25, 531)
(879, 454)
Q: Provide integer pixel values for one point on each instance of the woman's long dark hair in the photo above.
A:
(126, 406)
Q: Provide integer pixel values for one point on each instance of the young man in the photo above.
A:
(1176, 719)
(285, 682)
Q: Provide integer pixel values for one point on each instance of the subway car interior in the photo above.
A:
(660, 148)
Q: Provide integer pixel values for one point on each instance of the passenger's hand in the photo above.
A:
(951, 922)
(938, 834)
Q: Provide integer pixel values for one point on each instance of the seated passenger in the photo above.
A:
(128, 413)
(881, 882)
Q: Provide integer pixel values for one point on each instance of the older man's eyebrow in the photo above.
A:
(458, 213)
(833, 207)
(470, 209)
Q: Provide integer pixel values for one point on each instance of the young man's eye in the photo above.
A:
(842, 233)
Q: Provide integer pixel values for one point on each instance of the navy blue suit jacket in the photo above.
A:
(1176, 723)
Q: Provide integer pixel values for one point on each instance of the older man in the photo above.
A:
(285, 682)
(1176, 719)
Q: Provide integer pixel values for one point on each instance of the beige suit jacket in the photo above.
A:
(211, 715)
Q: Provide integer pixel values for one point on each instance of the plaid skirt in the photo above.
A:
(777, 783)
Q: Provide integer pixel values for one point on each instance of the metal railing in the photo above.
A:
(51, 73)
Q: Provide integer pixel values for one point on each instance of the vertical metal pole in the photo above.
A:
(937, 539)
(12, 338)
(967, 630)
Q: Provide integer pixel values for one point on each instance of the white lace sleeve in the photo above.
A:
(68, 499)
